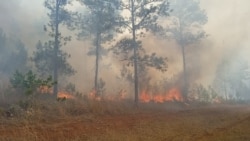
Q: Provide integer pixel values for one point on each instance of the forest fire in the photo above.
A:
(61, 94)
(93, 95)
(66, 95)
(172, 95)
(120, 96)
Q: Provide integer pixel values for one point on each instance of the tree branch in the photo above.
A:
(142, 20)
(145, 4)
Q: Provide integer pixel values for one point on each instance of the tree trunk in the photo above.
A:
(135, 56)
(97, 63)
(225, 90)
(56, 47)
(185, 82)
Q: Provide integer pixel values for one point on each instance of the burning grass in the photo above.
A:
(172, 95)
(83, 118)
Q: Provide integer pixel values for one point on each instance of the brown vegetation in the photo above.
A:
(84, 119)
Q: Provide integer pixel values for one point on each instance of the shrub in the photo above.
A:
(29, 83)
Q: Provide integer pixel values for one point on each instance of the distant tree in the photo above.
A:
(98, 23)
(232, 78)
(13, 55)
(221, 82)
(43, 59)
(185, 26)
(58, 15)
(138, 17)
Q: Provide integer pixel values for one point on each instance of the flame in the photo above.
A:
(44, 90)
(122, 94)
(172, 95)
(144, 97)
(93, 95)
(159, 98)
(61, 94)
(65, 95)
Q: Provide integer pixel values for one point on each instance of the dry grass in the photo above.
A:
(83, 119)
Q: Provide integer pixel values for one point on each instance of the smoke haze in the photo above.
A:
(228, 28)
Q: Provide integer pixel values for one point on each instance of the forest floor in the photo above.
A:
(160, 122)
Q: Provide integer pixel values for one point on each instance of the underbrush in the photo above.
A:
(47, 107)
(46, 118)
(18, 109)
(50, 108)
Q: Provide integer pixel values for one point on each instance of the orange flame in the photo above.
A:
(93, 96)
(172, 95)
(61, 94)
(44, 90)
(122, 95)
(144, 97)
(65, 95)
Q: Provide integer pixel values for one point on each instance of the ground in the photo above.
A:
(161, 122)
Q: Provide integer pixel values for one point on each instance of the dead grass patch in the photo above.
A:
(90, 120)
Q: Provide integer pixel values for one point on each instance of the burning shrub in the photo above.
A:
(172, 95)
(29, 83)
(71, 91)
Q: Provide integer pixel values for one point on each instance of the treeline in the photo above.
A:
(119, 27)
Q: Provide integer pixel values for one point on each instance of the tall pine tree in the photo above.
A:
(98, 23)
(58, 15)
(138, 17)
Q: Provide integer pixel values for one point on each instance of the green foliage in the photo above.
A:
(154, 61)
(99, 23)
(58, 15)
(29, 83)
(185, 26)
(44, 56)
(202, 94)
(101, 17)
(124, 50)
(142, 16)
(43, 59)
(64, 16)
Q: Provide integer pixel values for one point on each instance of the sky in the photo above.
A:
(228, 28)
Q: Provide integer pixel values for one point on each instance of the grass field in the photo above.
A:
(118, 121)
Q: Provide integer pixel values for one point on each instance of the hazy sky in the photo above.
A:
(228, 28)
(225, 17)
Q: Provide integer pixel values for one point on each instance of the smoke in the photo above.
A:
(228, 28)
(23, 20)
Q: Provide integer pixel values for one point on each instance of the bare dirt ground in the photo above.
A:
(192, 123)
